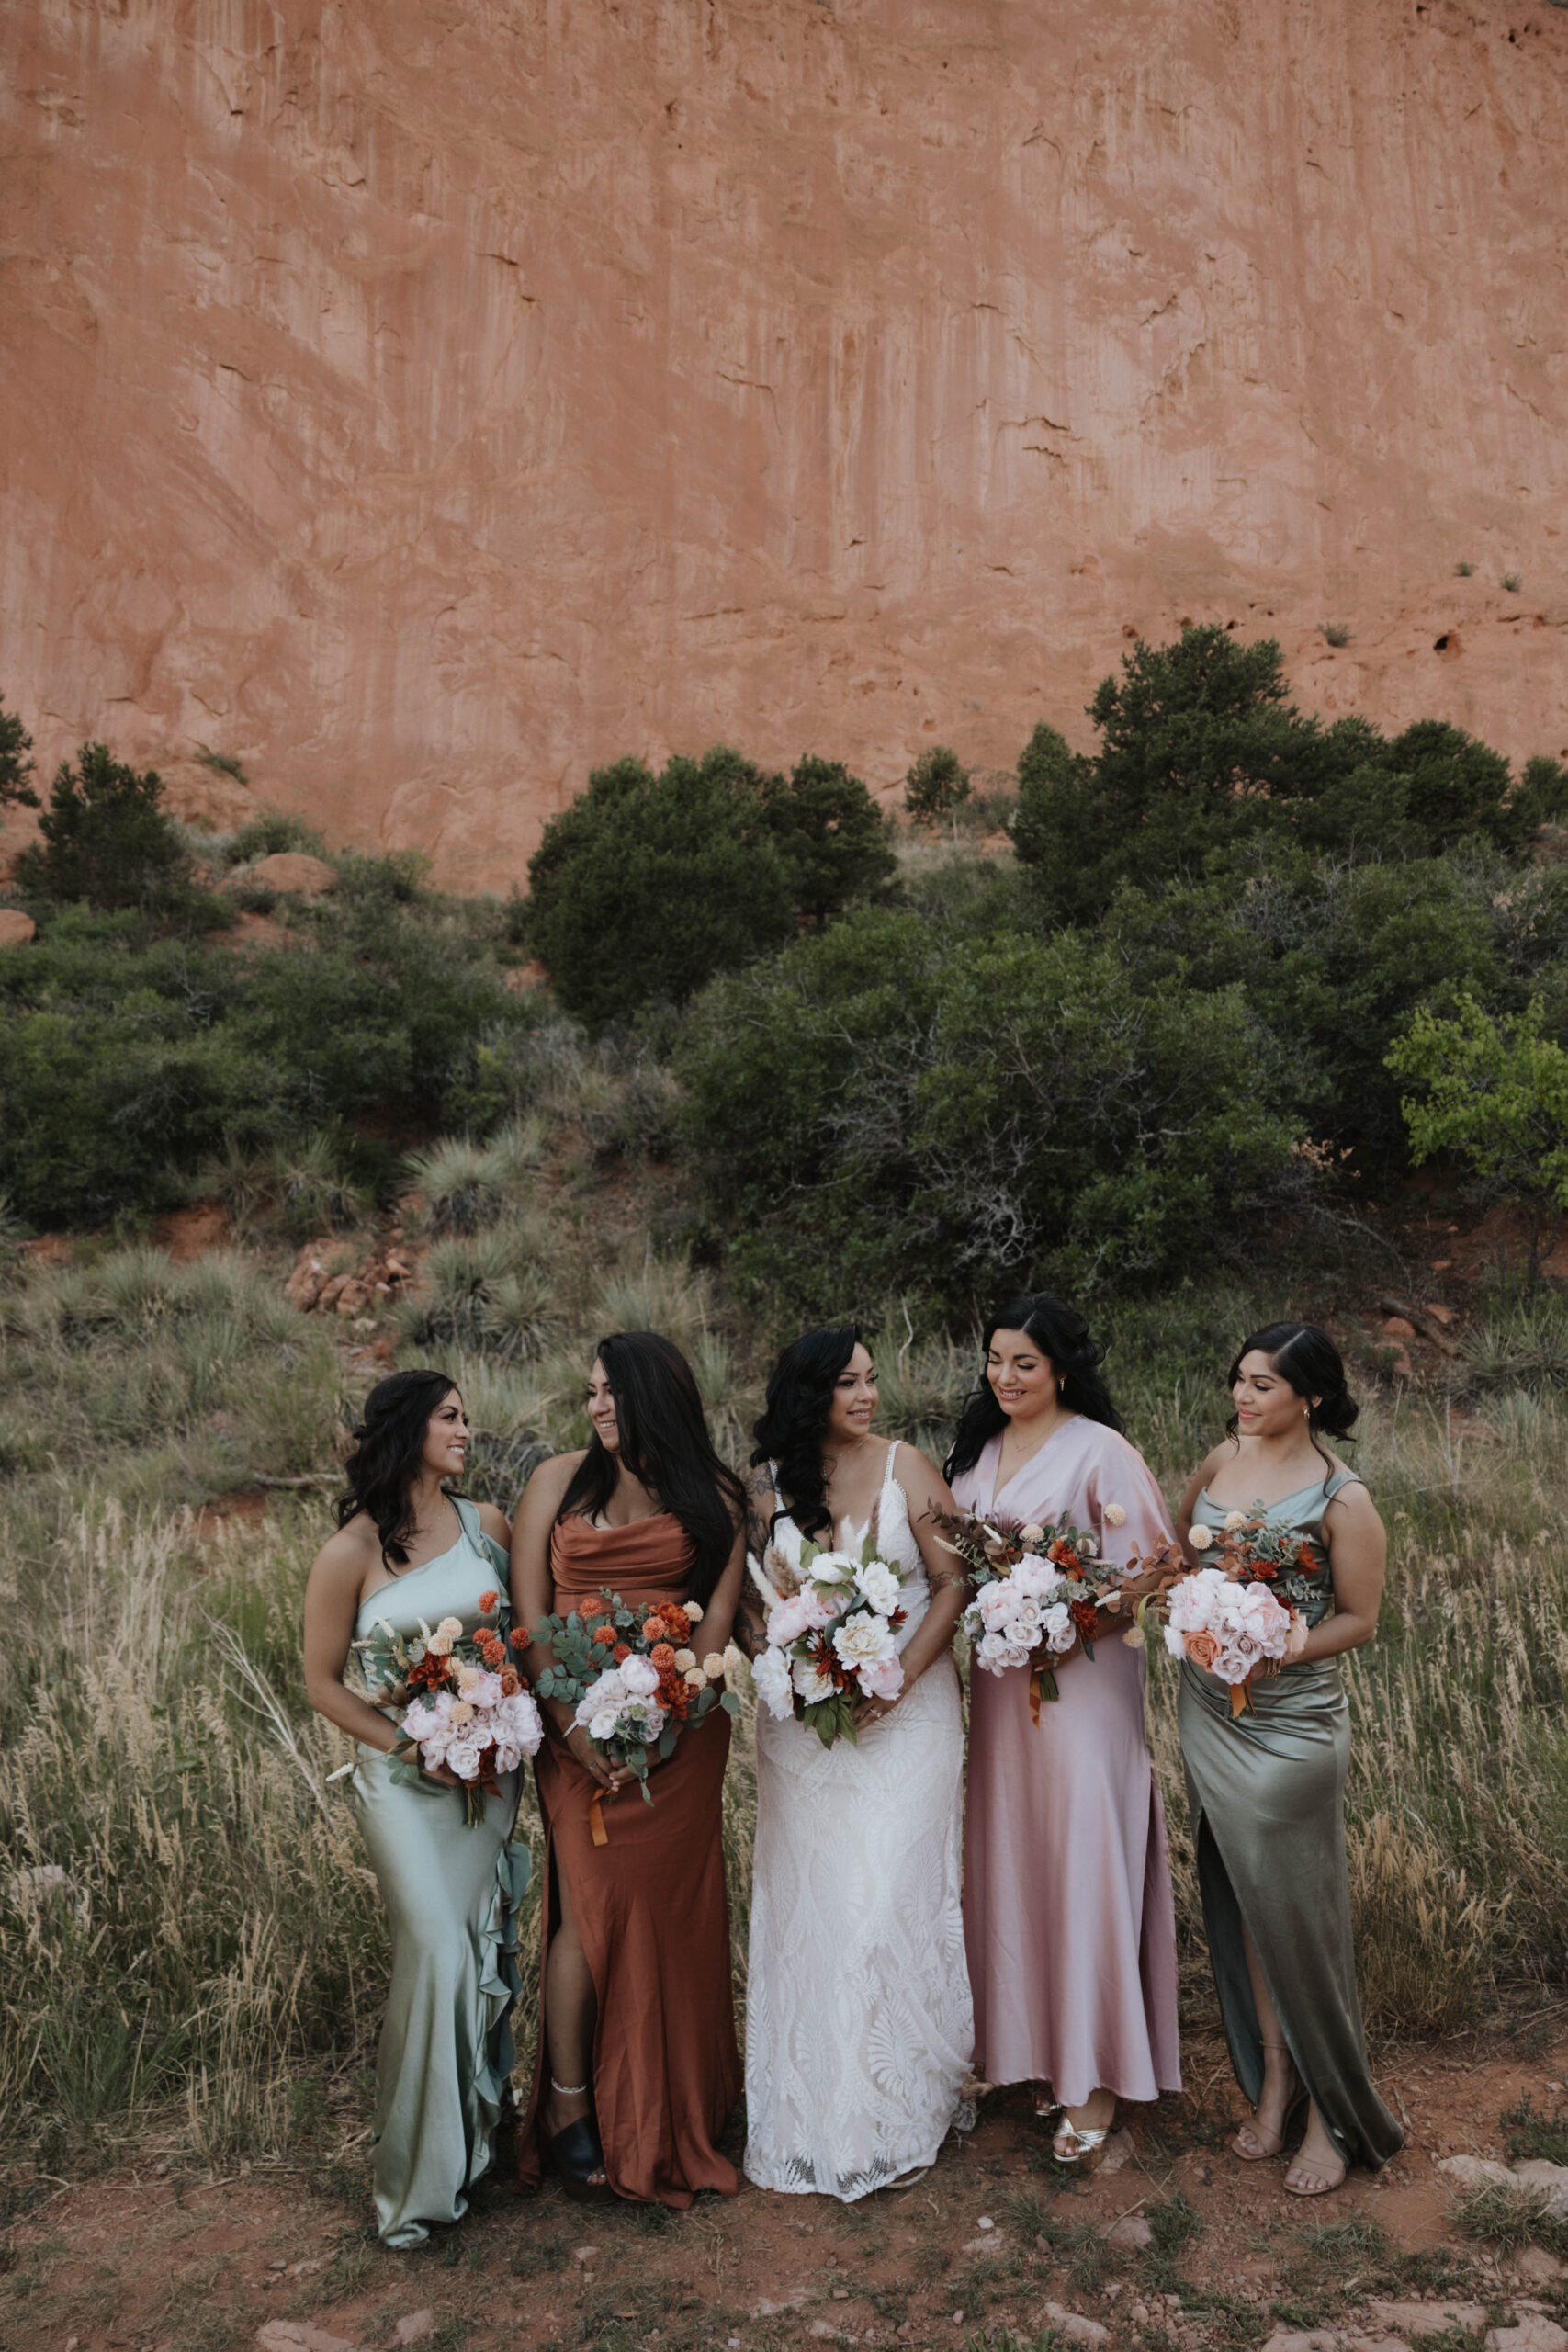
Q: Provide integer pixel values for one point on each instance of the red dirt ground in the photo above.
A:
(162, 2257)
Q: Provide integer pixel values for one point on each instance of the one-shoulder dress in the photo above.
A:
(451, 1894)
(650, 1906)
(1267, 1793)
(1067, 1905)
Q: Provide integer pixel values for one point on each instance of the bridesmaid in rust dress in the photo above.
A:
(637, 2067)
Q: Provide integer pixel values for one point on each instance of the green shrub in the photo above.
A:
(648, 885)
(108, 838)
(879, 1109)
(492, 1290)
(935, 785)
(266, 835)
(1205, 767)
(1496, 1093)
(16, 762)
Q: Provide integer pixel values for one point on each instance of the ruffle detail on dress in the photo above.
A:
(501, 1981)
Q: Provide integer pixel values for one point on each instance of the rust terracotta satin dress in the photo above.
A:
(651, 1908)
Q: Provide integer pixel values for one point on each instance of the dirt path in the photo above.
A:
(1174, 2244)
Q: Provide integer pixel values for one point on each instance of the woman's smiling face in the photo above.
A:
(1023, 1381)
(852, 1406)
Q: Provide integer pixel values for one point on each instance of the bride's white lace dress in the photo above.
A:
(858, 2024)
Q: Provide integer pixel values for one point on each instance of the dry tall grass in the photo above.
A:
(187, 1926)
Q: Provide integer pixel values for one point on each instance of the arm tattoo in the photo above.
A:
(750, 1609)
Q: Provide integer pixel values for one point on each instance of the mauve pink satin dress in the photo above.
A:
(1068, 1912)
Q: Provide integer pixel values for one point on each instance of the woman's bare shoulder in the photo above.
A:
(350, 1552)
(551, 1479)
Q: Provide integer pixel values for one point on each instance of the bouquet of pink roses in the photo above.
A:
(1247, 1608)
(1039, 1591)
(468, 1707)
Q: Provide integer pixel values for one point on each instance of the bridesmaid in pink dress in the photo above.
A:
(1068, 1912)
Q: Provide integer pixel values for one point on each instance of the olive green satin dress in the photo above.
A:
(1266, 1794)
(451, 1894)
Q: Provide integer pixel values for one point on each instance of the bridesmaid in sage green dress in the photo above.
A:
(1267, 1787)
(406, 1550)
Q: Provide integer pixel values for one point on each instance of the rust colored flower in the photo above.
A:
(487, 1603)
(605, 1635)
(518, 1637)
(621, 1650)
(663, 1657)
(1082, 1614)
(1201, 1648)
(1265, 1570)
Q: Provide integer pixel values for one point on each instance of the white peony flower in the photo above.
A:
(463, 1758)
(770, 1674)
(604, 1725)
(834, 1568)
(808, 1679)
(880, 1586)
(639, 1677)
(862, 1639)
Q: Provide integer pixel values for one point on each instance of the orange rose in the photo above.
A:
(511, 1682)
(1201, 1648)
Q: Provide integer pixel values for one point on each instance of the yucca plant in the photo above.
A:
(487, 1292)
(463, 1185)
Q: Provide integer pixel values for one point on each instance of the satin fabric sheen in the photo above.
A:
(451, 1894)
(650, 1908)
(1266, 1794)
(1067, 1909)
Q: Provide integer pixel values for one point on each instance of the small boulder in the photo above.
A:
(298, 2335)
(1118, 2151)
(1416, 2319)
(1399, 1326)
(413, 2328)
(1550, 2180)
(1537, 2268)
(1076, 2327)
(1534, 2333)
(293, 874)
(1476, 2171)
(1130, 2230)
(1439, 1313)
(16, 928)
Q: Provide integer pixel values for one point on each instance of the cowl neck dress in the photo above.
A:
(650, 1906)
(1068, 1907)
(1266, 1790)
(451, 1894)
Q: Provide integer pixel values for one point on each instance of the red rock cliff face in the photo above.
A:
(426, 399)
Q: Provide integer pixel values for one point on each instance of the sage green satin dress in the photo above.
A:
(1267, 1793)
(451, 1894)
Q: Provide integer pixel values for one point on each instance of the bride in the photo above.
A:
(859, 2027)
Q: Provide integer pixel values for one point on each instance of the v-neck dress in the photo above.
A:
(1266, 1790)
(451, 1894)
(1067, 1908)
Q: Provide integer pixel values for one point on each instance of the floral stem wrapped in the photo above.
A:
(465, 1705)
(1041, 1592)
(632, 1677)
(832, 1640)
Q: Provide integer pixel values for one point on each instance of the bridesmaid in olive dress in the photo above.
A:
(1267, 1787)
(408, 1549)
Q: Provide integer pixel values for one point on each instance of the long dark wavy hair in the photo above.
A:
(1308, 1359)
(389, 1445)
(795, 1421)
(664, 1441)
(1061, 1334)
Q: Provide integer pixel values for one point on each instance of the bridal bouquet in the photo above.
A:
(833, 1641)
(633, 1679)
(1039, 1590)
(465, 1705)
(1246, 1608)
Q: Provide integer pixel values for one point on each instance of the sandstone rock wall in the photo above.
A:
(426, 399)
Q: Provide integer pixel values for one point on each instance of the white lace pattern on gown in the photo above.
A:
(859, 2024)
